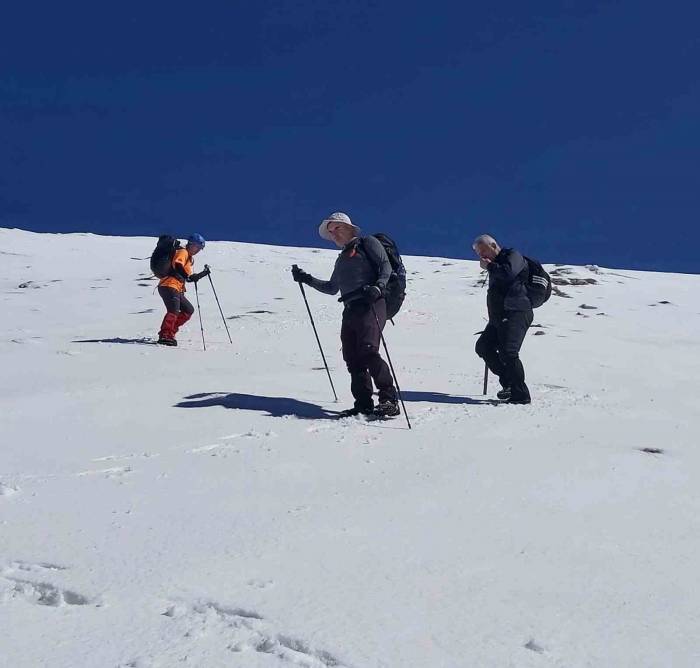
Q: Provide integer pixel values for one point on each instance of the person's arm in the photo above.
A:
(329, 287)
(378, 257)
(179, 261)
(179, 271)
(508, 268)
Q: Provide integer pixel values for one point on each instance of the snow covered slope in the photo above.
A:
(166, 507)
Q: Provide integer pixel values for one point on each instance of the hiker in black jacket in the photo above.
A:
(510, 315)
(361, 273)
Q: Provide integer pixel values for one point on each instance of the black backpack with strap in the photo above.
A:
(539, 284)
(162, 257)
(395, 292)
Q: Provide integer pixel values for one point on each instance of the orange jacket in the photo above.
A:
(184, 260)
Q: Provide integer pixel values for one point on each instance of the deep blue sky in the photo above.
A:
(568, 129)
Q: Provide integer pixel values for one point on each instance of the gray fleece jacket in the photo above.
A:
(362, 262)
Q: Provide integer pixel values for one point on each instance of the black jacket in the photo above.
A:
(508, 274)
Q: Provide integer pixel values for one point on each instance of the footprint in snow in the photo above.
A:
(38, 593)
(133, 455)
(8, 490)
(40, 567)
(241, 631)
(534, 647)
(252, 434)
(112, 472)
(44, 593)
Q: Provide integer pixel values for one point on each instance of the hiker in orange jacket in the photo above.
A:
(172, 289)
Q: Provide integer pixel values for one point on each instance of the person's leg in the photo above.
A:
(369, 332)
(511, 334)
(186, 311)
(360, 381)
(171, 299)
(487, 348)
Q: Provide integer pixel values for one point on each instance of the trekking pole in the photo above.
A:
(391, 366)
(201, 326)
(303, 294)
(206, 266)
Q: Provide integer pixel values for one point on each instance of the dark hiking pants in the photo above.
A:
(360, 335)
(179, 311)
(499, 346)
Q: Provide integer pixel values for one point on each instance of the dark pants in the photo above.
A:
(360, 335)
(179, 311)
(499, 346)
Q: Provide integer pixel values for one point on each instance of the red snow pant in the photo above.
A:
(179, 311)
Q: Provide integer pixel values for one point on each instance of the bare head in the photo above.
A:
(342, 233)
(486, 247)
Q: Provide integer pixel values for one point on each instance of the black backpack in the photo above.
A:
(162, 257)
(539, 284)
(396, 287)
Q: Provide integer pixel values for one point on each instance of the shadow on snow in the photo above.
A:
(273, 406)
(442, 398)
(117, 339)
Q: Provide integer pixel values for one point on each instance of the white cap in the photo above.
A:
(337, 217)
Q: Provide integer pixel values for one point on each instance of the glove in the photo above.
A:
(300, 276)
(372, 293)
(193, 278)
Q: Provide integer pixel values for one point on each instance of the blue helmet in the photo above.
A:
(197, 239)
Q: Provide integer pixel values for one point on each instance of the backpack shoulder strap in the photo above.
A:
(361, 245)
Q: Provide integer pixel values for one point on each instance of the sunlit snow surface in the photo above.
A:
(174, 507)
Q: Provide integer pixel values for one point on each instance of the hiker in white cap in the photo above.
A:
(361, 273)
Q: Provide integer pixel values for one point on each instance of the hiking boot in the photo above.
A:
(352, 412)
(167, 342)
(503, 394)
(387, 409)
